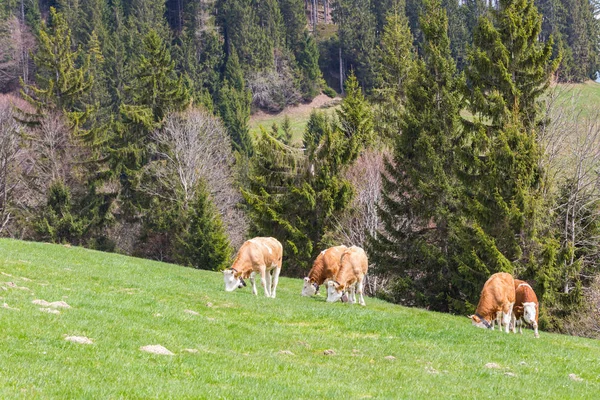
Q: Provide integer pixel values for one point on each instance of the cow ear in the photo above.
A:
(306, 279)
(330, 284)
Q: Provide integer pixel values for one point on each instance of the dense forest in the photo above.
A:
(124, 127)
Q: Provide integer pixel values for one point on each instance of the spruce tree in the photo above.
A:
(420, 187)
(234, 102)
(508, 73)
(61, 81)
(204, 244)
(296, 194)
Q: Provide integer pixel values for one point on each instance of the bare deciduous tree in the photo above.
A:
(194, 147)
(571, 157)
(16, 42)
(10, 150)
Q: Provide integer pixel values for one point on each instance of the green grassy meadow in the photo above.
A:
(250, 347)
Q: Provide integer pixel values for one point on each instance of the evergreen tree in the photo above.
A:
(60, 82)
(154, 91)
(234, 105)
(308, 60)
(395, 68)
(204, 244)
(420, 190)
(508, 72)
(295, 195)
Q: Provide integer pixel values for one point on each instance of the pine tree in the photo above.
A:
(395, 68)
(155, 90)
(204, 244)
(508, 73)
(308, 60)
(60, 82)
(294, 194)
(420, 188)
(234, 102)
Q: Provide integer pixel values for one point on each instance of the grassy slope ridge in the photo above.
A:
(124, 303)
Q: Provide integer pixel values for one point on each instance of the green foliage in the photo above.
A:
(234, 102)
(58, 222)
(396, 64)
(204, 244)
(420, 187)
(295, 195)
(155, 90)
(61, 82)
(508, 72)
(308, 60)
(329, 92)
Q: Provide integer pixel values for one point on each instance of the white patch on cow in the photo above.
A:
(308, 289)
(529, 312)
(333, 294)
(231, 282)
(525, 284)
(268, 248)
(324, 251)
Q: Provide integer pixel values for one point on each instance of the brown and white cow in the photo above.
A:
(350, 277)
(526, 307)
(496, 302)
(259, 255)
(325, 267)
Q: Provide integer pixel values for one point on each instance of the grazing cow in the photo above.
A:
(259, 255)
(325, 267)
(353, 268)
(496, 302)
(526, 307)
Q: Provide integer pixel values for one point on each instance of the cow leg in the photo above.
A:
(267, 283)
(535, 330)
(352, 294)
(276, 272)
(498, 320)
(513, 323)
(507, 313)
(359, 289)
(263, 282)
(253, 281)
(520, 322)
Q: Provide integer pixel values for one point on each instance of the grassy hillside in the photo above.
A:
(583, 96)
(248, 347)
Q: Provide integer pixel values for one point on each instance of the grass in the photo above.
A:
(298, 121)
(582, 96)
(124, 303)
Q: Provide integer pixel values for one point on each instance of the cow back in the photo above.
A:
(497, 291)
(326, 265)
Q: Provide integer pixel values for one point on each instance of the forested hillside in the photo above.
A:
(454, 154)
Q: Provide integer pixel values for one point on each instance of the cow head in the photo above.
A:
(335, 292)
(479, 322)
(233, 280)
(310, 288)
(529, 312)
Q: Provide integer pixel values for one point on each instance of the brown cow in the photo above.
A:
(526, 307)
(262, 255)
(496, 302)
(325, 267)
(353, 268)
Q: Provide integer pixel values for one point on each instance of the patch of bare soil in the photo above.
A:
(301, 109)
(79, 339)
(191, 312)
(286, 352)
(13, 285)
(157, 349)
(54, 304)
